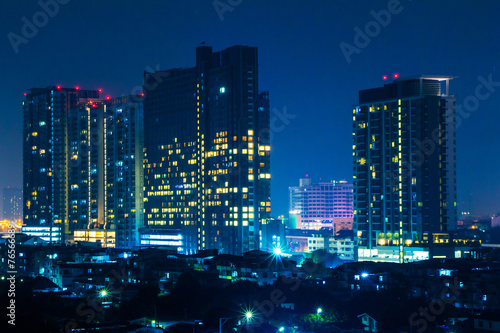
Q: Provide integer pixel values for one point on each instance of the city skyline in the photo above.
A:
(302, 103)
(249, 165)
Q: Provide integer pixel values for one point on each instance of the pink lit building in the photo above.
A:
(321, 205)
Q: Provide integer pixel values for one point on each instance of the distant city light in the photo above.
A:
(25, 94)
(58, 87)
(396, 75)
(384, 77)
(100, 90)
(108, 98)
(142, 94)
(77, 88)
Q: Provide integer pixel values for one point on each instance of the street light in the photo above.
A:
(248, 315)
(103, 293)
(318, 312)
(282, 329)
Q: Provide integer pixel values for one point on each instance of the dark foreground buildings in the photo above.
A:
(207, 154)
(404, 169)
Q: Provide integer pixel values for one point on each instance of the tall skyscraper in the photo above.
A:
(80, 168)
(404, 169)
(321, 205)
(12, 203)
(207, 154)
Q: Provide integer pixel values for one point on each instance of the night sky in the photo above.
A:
(108, 44)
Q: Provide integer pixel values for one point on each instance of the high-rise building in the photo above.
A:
(124, 178)
(12, 203)
(80, 167)
(46, 154)
(207, 154)
(314, 206)
(404, 169)
(112, 163)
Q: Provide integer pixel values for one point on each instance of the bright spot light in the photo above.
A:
(103, 293)
(248, 315)
(282, 329)
(320, 310)
(364, 275)
(277, 251)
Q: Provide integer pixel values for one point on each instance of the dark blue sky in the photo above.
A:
(108, 44)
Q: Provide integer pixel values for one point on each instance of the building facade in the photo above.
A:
(404, 168)
(124, 177)
(46, 154)
(83, 165)
(207, 153)
(321, 205)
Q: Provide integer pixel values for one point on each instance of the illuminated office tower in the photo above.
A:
(321, 205)
(404, 169)
(46, 154)
(12, 203)
(207, 154)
